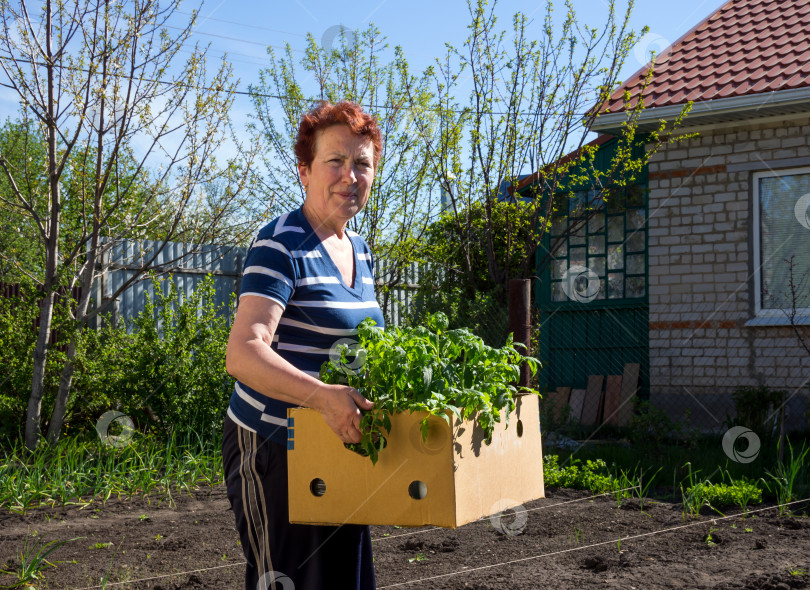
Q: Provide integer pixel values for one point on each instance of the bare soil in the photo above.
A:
(565, 541)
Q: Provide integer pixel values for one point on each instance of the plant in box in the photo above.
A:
(426, 368)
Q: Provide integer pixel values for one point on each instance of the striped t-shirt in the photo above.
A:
(287, 263)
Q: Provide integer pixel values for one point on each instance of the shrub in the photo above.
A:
(592, 475)
(755, 409)
(719, 495)
(169, 373)
(18, 335)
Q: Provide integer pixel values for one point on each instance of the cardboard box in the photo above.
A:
(450, 479)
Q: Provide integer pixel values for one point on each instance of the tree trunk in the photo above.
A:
(66, 378)
(60, 405)
(32, 418)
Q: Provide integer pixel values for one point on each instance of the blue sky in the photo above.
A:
(244, 28)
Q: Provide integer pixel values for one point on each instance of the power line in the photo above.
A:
(233, 22)
(229, 38)
(247, 93)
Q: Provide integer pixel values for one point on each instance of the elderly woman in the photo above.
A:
(307, 283)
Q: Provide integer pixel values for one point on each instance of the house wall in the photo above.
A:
(701, 274)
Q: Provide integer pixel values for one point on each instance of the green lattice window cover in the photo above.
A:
(604, 257)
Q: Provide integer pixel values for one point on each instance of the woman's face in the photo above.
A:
(338, 180)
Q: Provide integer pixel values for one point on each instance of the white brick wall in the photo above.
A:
(699, 267)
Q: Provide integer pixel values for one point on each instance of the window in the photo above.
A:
(603, 255)
(782, 239)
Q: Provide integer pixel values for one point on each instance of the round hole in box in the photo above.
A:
(520, 428)
(318, 487)
(417, 490)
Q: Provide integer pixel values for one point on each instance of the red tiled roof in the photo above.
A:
(745, 47)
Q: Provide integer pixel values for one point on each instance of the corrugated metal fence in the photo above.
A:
(188, 264)
(185, 264)
(396, 289)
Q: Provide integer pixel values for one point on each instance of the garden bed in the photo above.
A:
(569, 540)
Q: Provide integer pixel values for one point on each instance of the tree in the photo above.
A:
(529, 107)
(360, 69)
(130, 133)
(20, 251)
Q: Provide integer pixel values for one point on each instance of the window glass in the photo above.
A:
(635, 264)
(635, 241)
(615, 257)
(596, 245)
(610, 245)
(784, 224)
(615, 228)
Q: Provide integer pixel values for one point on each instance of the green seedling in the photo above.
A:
(748, 529)
(33, 558)
(579, 536)
(797, 572)
(709, 539)
(419, 557)
(784, 480)
(427, 368)
(101, 545)
(77, 468)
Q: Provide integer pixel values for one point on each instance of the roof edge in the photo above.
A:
(664, 54)
(709, 110)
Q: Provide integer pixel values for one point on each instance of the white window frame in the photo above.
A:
(770, 316)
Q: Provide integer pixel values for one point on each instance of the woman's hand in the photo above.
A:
(340, 408)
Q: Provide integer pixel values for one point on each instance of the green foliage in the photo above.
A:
(33, 558)
(652, 427)
(464, 288)
(21, 251)
(755, 409)
(81, 469)
(18, 335)
(790, 480)
(721, 495)
(591, 475)
(168, 373)
(427, 368)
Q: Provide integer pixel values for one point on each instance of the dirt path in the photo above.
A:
(567, 541)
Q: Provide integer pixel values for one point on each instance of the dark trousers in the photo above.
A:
(280, 555)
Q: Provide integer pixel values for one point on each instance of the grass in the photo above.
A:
(702, 475)
(81, 470)
(690, 463)
(33, 558)
(786, 481)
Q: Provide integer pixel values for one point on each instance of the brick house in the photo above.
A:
(706, 314)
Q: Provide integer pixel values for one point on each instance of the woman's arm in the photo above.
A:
(252, 361)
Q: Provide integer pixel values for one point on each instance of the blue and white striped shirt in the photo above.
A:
(287, 263)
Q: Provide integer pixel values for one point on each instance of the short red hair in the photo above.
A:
(324, 115)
